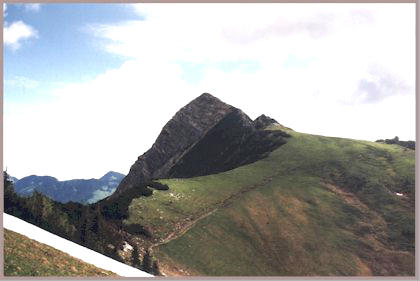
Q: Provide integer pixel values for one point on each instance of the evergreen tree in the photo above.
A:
(155, 268)
(8, 186)
(135, 257)
(147, 262)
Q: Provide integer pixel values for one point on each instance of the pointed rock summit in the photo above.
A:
(188, 125)
(204, 137)
(264, 121)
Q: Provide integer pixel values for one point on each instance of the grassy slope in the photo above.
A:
(315, 206)
(26, 257)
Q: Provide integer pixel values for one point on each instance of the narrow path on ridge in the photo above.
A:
(223, 204)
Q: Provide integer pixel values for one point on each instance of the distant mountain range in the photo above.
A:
(85, 191)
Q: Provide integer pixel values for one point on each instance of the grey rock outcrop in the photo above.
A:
(206, 136)
(185, 129)
(263, 121)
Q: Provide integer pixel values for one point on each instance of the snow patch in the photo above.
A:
(87, 255)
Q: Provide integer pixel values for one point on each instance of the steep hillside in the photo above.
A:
(206, 122)
(220, 194)
(205, 137)
(79, 190)
(315, 206)
(27, 257)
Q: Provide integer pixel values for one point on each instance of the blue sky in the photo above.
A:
(64, 51)
(88, 87)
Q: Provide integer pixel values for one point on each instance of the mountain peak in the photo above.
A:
(35, 177)
(185, 129)
(202, 111)
(263, 121)
(206, 95)
(205, 136)
(112, 175)
(205, 104)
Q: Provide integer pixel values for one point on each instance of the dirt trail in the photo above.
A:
(175, 234)
(223, 204)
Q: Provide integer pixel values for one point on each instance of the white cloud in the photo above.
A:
(342, 37)
(4, 10)
(379, 85)
(32, 7)
(16, 32)
(115, 118)
(340, 45)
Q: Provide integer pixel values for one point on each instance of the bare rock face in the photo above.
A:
(233, 142)
(206, 136)
(263, 121)
(185, 129)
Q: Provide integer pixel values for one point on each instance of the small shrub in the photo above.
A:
(158, 185)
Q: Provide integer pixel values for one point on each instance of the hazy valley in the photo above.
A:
(83, 191)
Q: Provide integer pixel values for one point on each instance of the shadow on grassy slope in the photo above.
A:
(293, 224)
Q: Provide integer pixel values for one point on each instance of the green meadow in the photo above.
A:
(316, 206)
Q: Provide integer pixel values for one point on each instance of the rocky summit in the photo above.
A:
(206, 136)
(263, 121)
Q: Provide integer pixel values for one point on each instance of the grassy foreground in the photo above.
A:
(316, 206)
(27, 257)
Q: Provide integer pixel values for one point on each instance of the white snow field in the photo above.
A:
(71, 248)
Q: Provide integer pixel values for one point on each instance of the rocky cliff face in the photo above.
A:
(233, 142)
(186, 128)
(204, 137)
(263, 121)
